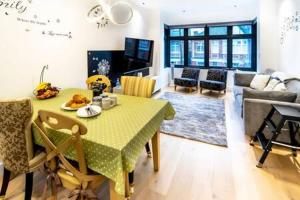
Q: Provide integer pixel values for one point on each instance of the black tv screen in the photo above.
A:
(144, 50)
(139, 51)
(130, 47)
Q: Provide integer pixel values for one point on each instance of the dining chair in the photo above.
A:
(99, 79)
(140, 87)
(74, 176)
(16, 147)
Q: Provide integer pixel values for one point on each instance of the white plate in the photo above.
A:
(64, 107)
(82, 112)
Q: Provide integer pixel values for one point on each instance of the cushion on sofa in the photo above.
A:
(272, 84)
(293, 85)
(269, 95)
(243, 79)
(280, 87)
(260, 81)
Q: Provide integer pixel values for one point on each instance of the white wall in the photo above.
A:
(272, 53)
(268, 35)
(24, 53)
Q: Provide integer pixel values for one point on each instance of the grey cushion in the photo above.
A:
(269, 95)
(293, 85)
(213, 85)
(186, 82)
(243, 79)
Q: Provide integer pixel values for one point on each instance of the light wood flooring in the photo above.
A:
(192, 170)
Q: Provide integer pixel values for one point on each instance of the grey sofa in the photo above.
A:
(254, 105)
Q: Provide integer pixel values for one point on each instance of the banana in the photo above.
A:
(42, 86)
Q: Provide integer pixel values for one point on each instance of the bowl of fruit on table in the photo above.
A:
(77, 101)
(45, 91)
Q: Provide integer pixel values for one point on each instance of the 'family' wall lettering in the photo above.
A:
(20, 6)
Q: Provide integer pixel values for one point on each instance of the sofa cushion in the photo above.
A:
(280, 87)
(186, 82)
(269, 95)
(213, 85)
(293, 85)
(260, 81)
(272, 84)
(243, 79)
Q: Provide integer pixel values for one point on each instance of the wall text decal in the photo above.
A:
(32, 21)
(52, 33)
(21, 5)
(291, 23)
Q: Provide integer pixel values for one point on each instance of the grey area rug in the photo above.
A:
(197, 118)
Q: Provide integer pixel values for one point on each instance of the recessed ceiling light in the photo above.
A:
(143, 3)
(184, 11)
(235, 6)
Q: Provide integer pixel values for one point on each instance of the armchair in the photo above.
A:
(189, 78)
(216, 80)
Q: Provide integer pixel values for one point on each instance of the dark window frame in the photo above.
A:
(206, 38)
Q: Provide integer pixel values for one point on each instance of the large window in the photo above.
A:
(231, 46)
(241, 53)
(196, 53)
(218, 30)
(177, 52)
(218, 53)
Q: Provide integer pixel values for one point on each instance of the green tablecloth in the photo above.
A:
(116, 138)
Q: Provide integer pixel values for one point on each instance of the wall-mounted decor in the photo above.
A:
(118, 13)
(291, 23)
(97, 15)
(19, 6)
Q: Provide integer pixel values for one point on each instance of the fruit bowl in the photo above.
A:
(45, 91)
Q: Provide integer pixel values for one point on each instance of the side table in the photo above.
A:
(286, 115)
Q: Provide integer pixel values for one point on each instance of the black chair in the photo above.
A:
(216, 80)
(189, 78)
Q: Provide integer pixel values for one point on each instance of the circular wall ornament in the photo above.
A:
(121, 13)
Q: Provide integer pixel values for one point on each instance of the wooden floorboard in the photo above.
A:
(192, 170)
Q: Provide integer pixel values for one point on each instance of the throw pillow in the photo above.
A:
(280, 75)
(260, 81)
(280, 87)
(272, 84)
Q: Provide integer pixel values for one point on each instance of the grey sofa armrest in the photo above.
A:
(249, 93)
(243, 79)
(256, 110)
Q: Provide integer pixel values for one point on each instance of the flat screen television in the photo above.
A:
(138, 53)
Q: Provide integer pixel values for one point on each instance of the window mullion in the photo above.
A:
(229, 48)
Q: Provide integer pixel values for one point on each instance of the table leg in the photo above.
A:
(156, 150)
(114, 195)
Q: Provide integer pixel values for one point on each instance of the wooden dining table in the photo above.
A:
(116, 137)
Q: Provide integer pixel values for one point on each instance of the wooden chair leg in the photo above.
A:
(148, 150)
(175, 87)
(5, 182)
(200, 90)
(225, 91)
(28, 186)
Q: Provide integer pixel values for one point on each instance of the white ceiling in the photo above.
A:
(204, 11)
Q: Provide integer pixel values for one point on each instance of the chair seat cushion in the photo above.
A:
(186, 82)
(212, 85)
